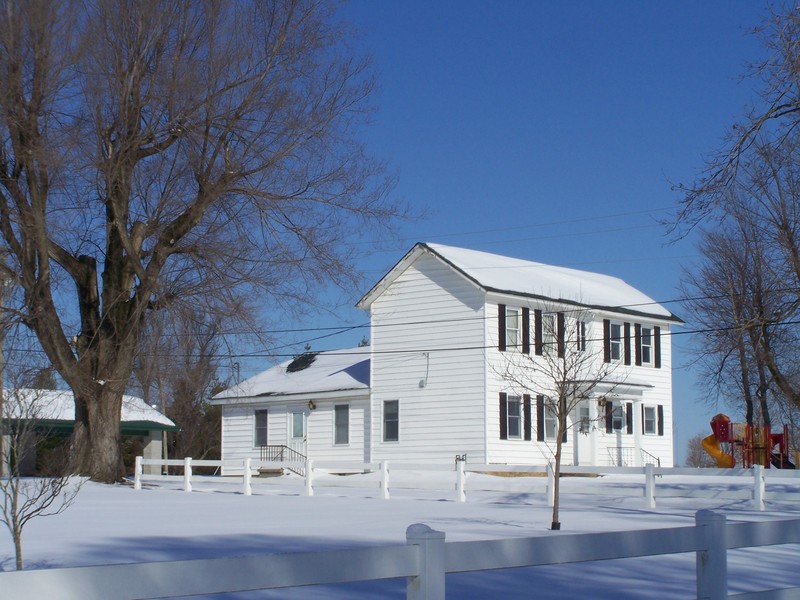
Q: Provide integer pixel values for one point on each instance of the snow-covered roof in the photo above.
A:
(514, 276)
(332, 371)
(59, 405)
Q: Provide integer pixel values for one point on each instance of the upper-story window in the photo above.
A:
(581, 336)
(615, 341)
(549, 334)
(513, 328)
(647, 345)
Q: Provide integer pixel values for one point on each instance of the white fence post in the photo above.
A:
(248, 488)
(759, 487)
(385, 479)
(137, 473)
(187, 474)
(650, 485)
(309, 477)
(429, 584)
(460, 482)
(712, 556)
(551, 485)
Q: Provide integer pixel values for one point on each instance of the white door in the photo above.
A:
(298, 427)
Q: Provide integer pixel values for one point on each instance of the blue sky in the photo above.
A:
(553, 131)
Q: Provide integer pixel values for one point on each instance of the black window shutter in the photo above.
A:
(609, 417)
(643, 425)
(537, 331)
(606, 340)
(657, 346)
(503, 416)
(501, 327)
(540, 418)
(561, 334)
(637, 334)
(629, 418)
(564, 436)
(627, 342)
(526, 330)
(526, 407)
(660, 419)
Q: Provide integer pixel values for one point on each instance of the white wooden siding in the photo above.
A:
(238, 429)
(428, 353)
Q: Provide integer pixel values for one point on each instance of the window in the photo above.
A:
(584, 418)
(618, 418)
(391, 420)
(650, 420)
(550, 421)
(647, 345)
(549, 334)
(615, 341)
(261, 427)
(341, 424)
(513, 337)
(581, 336)
(514, 417)
(298, 425)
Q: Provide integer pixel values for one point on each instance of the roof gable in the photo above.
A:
(513, 276)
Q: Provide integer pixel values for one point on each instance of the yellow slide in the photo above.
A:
(724, 460)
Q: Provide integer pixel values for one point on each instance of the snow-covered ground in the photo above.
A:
(117, 524)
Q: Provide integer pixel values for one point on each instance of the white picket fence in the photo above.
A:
(654, 481)
(424, 560)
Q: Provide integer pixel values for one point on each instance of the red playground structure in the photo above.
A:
(733, 443)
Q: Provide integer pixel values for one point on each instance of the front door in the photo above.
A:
(298, 440)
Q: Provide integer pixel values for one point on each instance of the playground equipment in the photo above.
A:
(749, 444)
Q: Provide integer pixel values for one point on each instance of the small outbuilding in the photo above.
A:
(53, 415)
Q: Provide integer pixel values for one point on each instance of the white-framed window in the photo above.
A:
(341, 424)
(513, 328)
(550, 420)
(618, 417)
(549, 334)
(514, 417)
(647, 345)
(260, 426)
(615, 341)
(391, 420)
(298, 425)
(650, 420)
(584, 418)
(581, 326)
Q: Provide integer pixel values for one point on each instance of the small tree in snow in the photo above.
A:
(25, 498)
(561, 370)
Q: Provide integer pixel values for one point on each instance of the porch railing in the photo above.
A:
(283, 453)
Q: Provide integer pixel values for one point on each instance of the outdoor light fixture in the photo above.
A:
(311, 405)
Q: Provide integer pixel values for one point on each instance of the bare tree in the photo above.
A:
(563, 372)
(159, 153)
(696, 456)
(24, 497)
(750, 193)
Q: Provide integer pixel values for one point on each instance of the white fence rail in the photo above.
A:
(424, 561)
(650, 482)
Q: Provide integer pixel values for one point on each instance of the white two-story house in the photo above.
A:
(466, 349)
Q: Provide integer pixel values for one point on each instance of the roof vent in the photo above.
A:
(301, 362)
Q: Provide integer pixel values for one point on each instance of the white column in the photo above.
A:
(594, 432)
(153, 451)
(636, 407)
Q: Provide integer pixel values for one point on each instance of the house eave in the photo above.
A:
(611, 310)
(292, 397)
